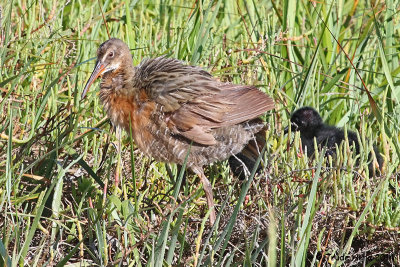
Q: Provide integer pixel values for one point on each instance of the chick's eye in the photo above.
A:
(111, 54)
(298, 122)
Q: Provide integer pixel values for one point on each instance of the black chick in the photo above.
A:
(244, 162)
(308, 121)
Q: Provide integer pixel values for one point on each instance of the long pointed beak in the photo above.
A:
(98, 70)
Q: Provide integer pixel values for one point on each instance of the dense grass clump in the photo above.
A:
(59, 159)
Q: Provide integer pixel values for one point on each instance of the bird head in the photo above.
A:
(111, 56)
(305, 120)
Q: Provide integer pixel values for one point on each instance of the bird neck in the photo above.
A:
(119, 81)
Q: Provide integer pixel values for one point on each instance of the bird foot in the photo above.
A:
(209, 194)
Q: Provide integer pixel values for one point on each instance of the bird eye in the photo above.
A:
(111, 54)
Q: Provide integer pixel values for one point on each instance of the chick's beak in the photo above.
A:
(294, 127)
(98, 70)
(286, 130)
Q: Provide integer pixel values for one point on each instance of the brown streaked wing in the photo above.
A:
(171, 83)
(247, 102)
(196, 101)
(234, 104)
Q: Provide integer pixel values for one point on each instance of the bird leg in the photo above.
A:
(117, 169)
(209, 194)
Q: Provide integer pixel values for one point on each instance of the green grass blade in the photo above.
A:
(3, 252)
(307, 220)
(162, 239)
(204, 31)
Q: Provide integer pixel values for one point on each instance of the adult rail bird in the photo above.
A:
(177, 110)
